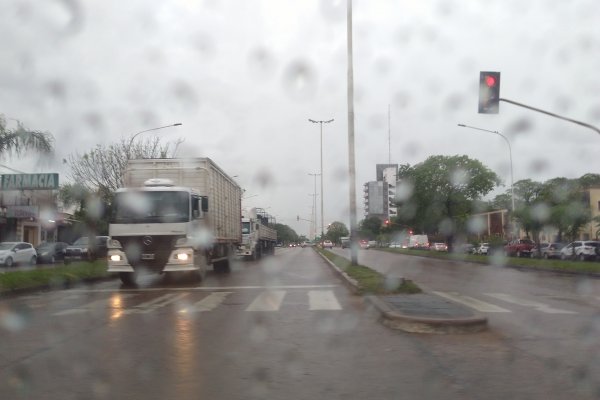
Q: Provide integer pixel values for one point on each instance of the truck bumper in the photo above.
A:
(117, 262)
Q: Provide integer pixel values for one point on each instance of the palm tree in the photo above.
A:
(16, 141)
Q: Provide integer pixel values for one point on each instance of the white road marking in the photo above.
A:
(149, 306)
(528, 303)
(205, 288)
(100, 303)
(208, 303)
(478, 305)
(269, 300)
(323, 300)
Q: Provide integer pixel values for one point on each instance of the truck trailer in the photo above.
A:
(174, 215)
(259, 236)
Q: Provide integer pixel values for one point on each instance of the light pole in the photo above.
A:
(148, 130)
(351, 158)
(321, 123)
(512, 186)
(315, 201)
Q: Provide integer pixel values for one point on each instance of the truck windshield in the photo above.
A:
(151, 207)
(245, 227)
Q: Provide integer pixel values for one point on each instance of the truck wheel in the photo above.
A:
(222, 267)
(127, 278)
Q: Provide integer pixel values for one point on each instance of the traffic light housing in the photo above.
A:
(489, 92)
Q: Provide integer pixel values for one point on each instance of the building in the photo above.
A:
(591, 231)
(379, 195)
(28, 210)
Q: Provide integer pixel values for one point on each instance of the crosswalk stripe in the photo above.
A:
(208, 303)
(100, 303)
(472, 302)
(149, 306)
(528, 303)
(323, 300)
(269, 300)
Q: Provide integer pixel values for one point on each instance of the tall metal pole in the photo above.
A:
(512, 185)
(322, 218)
(351, 162)
(315, 202)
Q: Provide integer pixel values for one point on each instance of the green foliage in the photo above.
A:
(371, 281)
(369, 228)
(445, 190)
(19, 140)
(286, 234)
(59, 276)
(336, 230)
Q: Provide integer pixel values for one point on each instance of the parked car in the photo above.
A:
(466, 248)
(372, 244)
(548, 250)
(581, 250)
(519, 248)
(84, 249)
(50, 252)
(327, 244)
(12, 253)
(483, 249)
(439, 247)
(364, 244)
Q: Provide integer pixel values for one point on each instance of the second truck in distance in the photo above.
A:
(259, 236)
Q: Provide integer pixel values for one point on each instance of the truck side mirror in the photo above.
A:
(204, 204)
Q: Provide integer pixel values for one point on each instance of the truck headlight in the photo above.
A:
(182, 256)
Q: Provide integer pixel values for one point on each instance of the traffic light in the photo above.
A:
(489, 92)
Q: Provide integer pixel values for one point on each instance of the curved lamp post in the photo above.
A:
(148, 130)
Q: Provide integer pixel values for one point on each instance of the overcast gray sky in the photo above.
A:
(243, 77)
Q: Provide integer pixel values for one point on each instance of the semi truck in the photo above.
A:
(259, 236)
(174, 215)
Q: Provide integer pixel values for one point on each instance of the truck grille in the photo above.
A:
(149, 251)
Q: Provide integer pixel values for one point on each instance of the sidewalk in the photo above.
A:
(421, 312)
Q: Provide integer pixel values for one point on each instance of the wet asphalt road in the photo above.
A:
(283, 328)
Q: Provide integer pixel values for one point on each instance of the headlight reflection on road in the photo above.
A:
(184, 357)
(116, 306)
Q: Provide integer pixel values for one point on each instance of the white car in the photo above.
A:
(581, 250)
(483, 249)
(12, 253)
(327, 244)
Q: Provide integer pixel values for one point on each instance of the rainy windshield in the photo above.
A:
(147, 207)
(400, 163)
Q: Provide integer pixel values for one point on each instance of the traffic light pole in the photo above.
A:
(592, 127)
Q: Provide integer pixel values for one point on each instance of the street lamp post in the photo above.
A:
(512, 186)
(148, 130)
(321, 123)
(315, 201)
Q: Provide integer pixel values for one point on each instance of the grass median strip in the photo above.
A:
(59, 276)
(370, 281)
(555, 265)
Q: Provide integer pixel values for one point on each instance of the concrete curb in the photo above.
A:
(419, 324)
(410, 323)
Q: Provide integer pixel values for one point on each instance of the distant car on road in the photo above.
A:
(483, 249)
(548, 250)
(84, 249)
(439, 246)
(327, 244)
(519, 248)
(12, 253)
(364, 244)
(50, 252)
(581, 250)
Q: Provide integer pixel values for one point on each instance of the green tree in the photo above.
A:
(285, 234)
(445, 192)
(336, 230)
(369, 228)
(19, 140)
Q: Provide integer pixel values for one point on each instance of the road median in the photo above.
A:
(402, 304)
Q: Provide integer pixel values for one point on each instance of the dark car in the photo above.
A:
(86, 249)
(50, 252)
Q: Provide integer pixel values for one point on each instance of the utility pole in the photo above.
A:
(351, 161)
(321, 123)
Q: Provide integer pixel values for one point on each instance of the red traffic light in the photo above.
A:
(490, 81)
(489, 92)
